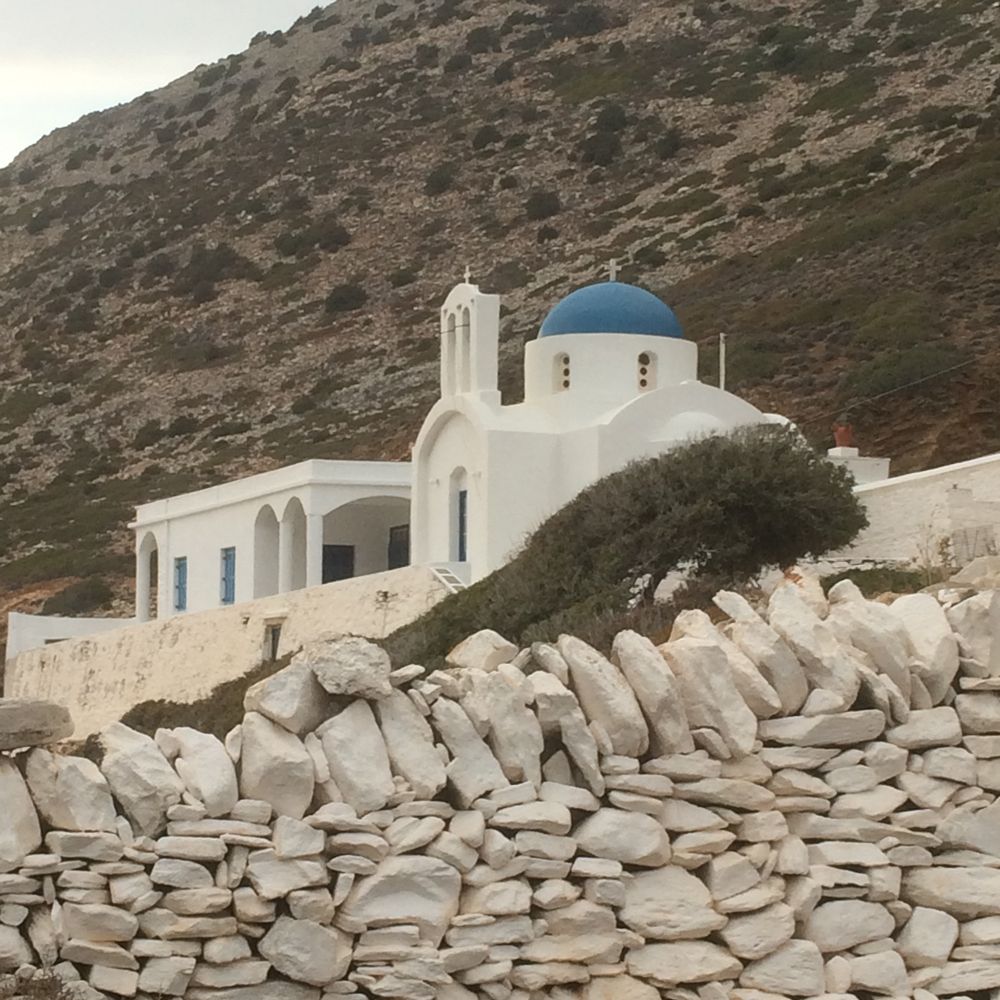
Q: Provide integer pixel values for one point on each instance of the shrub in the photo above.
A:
(181, 425)
(345, 298)
(669, 144)
(601, 148)
(611, 118)
(402, 277)
(580, 21)
(80, 319)
(458, 62)
(892, 370)
(441, 179)
(543, 205)
(148, 434)
(488, 135)
(79, 598)
(726, 506)
(482, 39)
(426, 55)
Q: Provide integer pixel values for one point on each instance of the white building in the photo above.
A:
(302, 526)
(609, 379)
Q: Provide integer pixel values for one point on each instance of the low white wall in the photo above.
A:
(910, 515)
(183, 658)
(31, 631)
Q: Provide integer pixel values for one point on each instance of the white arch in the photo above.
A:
(146, 577)
(266, 546)
(292, 547)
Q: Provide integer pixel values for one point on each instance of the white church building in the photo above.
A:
(609, 379)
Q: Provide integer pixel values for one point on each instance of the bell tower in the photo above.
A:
(470, 342)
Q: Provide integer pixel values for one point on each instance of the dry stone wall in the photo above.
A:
(799, 801)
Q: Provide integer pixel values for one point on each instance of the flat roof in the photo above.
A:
(314, 472)
(941, 470)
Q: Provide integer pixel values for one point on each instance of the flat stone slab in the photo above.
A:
(32, 723)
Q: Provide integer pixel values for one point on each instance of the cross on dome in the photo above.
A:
(468, 274)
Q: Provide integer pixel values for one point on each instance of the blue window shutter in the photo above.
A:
(227, 587)
(180, 584)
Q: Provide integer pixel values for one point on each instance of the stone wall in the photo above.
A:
(183, 658)
(799, 802)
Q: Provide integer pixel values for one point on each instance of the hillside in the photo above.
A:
(243, 268)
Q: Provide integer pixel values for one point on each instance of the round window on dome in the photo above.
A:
(646, 365)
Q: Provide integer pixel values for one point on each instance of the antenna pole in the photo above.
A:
(722, 361)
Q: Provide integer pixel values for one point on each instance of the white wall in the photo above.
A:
(183, 658)
(31, 631)
(909, 515)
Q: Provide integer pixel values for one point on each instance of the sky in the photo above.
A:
(60, 59)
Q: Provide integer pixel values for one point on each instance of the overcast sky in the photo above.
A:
(60, 59)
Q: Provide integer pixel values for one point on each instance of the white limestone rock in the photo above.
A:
(711, 697)
(759, 695)
(619, 987)
(409, 741)
(669, 904)
(966, 893)
(407, 889)
(349, 666)
(657, 691)
(793, 970)
(631, 838)
(967, 977)
(842, 924)
(976, 831)
(927, 938)
(307, 952)
(667, 965)
(484, 650)
(167, 977)
(358, 758)
(753, 936)
(14, 950)
(976, 623)
(94, 922)
(70, 792)
(606, 697)
(32, 723)
(828, 665)
(559, 711)
(275, 767)
(473, 771)
(515, 734)
(933, 642)
(292, 698)
(206, 769)
(20, 833)
(882, 972)
(140, 778)
(843, 729)
(979, 713)
(762, 645)
(929, 727)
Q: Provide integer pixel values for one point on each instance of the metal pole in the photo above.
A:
(722, 361)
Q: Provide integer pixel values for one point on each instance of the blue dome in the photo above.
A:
(612, 307)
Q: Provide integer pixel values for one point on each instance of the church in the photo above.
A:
(610, 378)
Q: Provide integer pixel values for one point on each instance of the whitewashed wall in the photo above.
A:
(185, 657)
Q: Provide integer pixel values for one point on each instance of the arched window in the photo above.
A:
(449, 361)
(265, 553)
(646, 374)
(561, 373)
(465, 353)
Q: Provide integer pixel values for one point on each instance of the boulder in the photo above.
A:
(976, 621)
(927, 938)
(483, 650)
(95, 922)
(667, 965)
(14, 950)
(628, 837)
(292, 698)
(275, 767)
(841, 729)
(206, 769)
(753, 936)
(965, 893)
(307, 952)
(656, 688)
(605, 697)
(409, 741)
(669, 904)
(20, 832)
(407, 889)
(933, 642)
(358, 758)
(140, 778)
(350, 666)
(70, 792)
(27, 723)
(473, 771)
(842, 924)
(794, 970)
(979, 713)
(167, 976)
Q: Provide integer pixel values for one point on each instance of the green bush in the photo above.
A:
(148, 434)
(601, 148)
(345, 298)
(893, 370)
(726, 506)
(80, 598)
(441, 179)
(543, 205)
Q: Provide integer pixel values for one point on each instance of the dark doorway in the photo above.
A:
(338, 562)
(463, 525)
(399, 546)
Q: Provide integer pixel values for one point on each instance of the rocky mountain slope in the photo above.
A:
(243, 269)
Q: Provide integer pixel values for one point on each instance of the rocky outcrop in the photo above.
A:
(801, 801)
